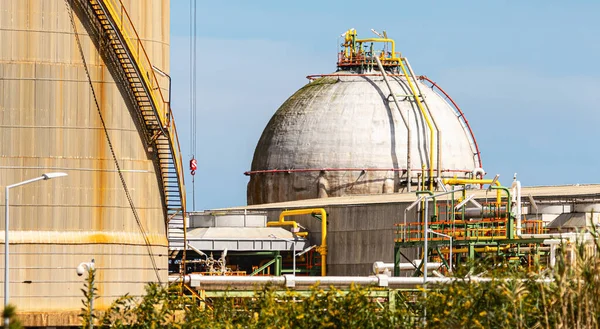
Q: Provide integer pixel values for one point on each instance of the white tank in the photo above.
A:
(342, 134)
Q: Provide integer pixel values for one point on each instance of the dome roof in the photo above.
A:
(336, 126)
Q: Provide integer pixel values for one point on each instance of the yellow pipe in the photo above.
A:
(323, 248)
(418, 100)
(480, 249)
(464, 181)
(393, 58)
(283, 223)
(291, 223)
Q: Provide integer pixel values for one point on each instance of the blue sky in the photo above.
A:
(525, 73)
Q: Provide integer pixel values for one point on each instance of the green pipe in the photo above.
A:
(430, 193)
(262, 268)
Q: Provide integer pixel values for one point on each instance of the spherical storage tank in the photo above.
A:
(50, 123)
(342, 133)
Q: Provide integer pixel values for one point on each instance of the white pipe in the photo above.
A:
(562, 236)
(406, 124)
(516, 194)
(478, 171)
(435, 125)
(250, 282)
(381, 267)
(552, 255)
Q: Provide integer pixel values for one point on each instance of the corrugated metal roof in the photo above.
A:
(243, 239)
(262, 233)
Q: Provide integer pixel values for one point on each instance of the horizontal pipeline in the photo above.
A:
(289, 171)
(291, 281)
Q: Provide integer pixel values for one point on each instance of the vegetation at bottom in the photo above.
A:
(567, 296)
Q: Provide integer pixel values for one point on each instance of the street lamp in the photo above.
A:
(426, 247)
(293, 242)
(446, 236)
(7, 226)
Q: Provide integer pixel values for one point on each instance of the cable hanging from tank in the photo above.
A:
(147, 243)
(193, 76)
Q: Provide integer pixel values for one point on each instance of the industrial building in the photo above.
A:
(368, 163)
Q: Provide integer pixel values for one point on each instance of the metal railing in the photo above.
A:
(116, 9)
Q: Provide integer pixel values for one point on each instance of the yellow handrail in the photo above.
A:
(165, 115)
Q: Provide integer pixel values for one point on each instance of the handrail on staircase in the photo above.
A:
(164, 113)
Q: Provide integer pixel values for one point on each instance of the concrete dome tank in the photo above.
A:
(344, 134)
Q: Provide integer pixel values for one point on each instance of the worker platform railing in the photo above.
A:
(446, 221)
(122, 44)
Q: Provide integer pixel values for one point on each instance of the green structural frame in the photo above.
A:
(509, 246)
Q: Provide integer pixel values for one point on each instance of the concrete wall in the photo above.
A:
(358, 235)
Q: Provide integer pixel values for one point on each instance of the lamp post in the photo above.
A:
(293, 242)
(446, 236)
(426, 228)
(7, 226)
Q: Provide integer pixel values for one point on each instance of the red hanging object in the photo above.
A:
(193, 166)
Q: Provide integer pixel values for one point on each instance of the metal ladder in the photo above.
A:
(122, 43)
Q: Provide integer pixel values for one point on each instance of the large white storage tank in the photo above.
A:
(343, 134)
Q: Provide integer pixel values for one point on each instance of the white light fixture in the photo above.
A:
(441, 184)
(45, 176)
(306, 250)
(494, 181)
(463, 202)
(51, 175)
(377, 33)
(532, 202)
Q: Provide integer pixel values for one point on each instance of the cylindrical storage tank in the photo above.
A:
(50, 123)
(342, 134)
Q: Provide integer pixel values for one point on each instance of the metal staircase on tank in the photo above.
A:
(121, 43)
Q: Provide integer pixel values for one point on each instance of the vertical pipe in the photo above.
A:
(516, 191)
(6, 255)
(425, 252)
(406, 123)
(184, 256)
(450, 270)
(324, 242)
(437, 129)
(294, 255)
(424, 113)
(91, 325)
